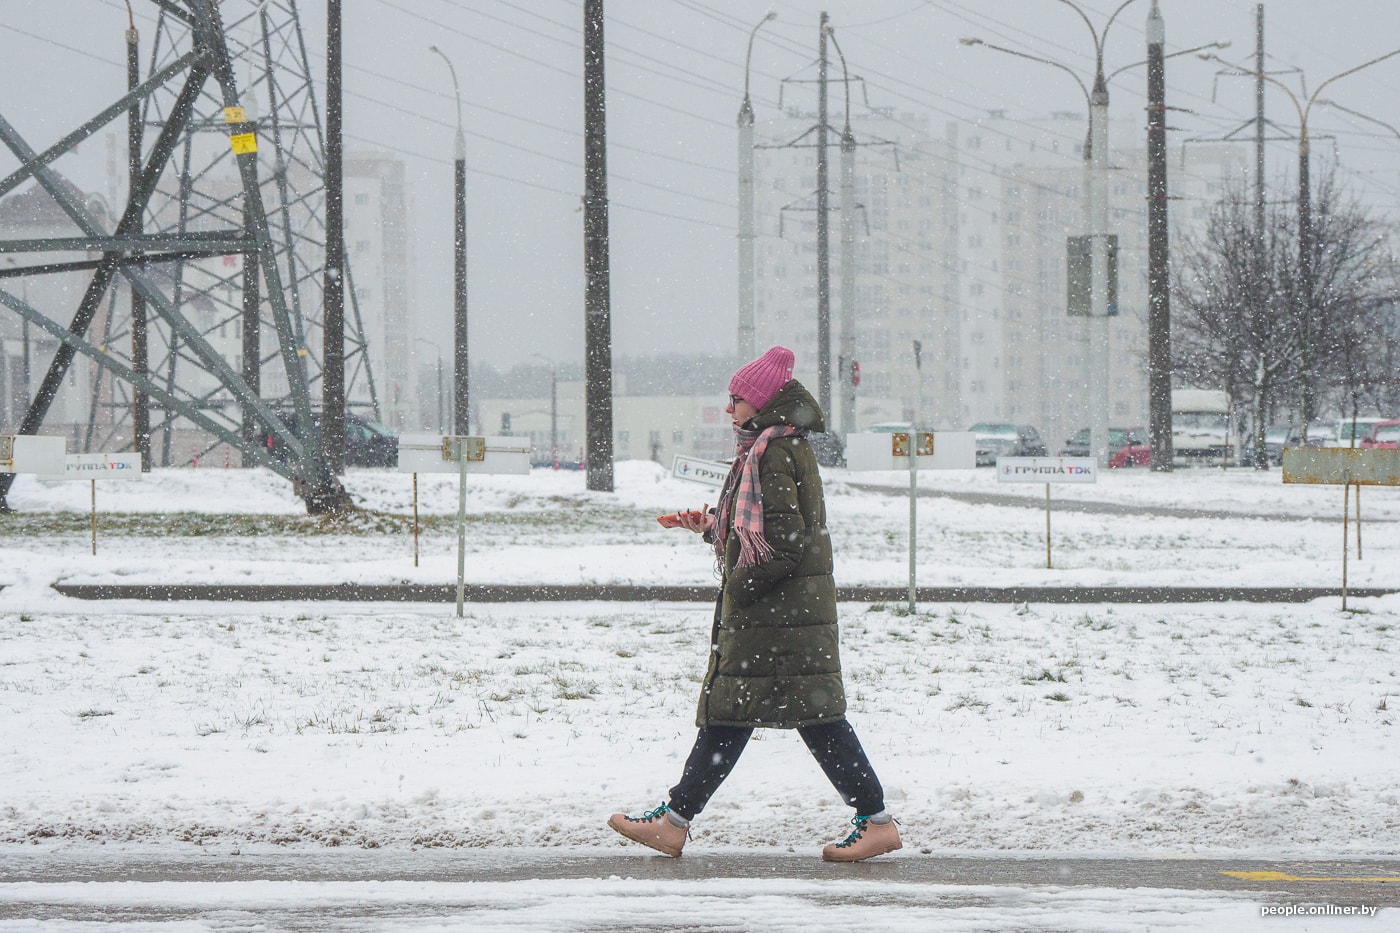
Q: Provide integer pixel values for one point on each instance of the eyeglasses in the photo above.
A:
(734, 401)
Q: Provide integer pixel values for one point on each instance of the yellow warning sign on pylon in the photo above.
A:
(242, 143)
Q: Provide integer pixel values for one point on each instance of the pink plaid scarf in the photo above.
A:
(742, 489)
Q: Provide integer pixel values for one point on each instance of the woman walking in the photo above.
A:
(774, 653)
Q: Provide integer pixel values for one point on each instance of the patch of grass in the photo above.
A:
(967, 701)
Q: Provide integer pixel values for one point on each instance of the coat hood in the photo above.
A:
(792, 405)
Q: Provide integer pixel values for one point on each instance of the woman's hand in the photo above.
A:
(698, 522)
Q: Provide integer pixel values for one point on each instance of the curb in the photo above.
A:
(510, 593)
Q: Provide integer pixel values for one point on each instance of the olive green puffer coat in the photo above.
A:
(774, 647)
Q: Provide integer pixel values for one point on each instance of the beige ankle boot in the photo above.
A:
(867, 840)
(653, 829)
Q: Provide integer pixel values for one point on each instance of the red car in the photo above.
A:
(1131, 456)
(1382, 434)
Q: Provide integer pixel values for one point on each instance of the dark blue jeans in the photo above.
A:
(834, 745)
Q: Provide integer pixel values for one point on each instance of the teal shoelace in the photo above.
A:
(850, 840)
(649, 815)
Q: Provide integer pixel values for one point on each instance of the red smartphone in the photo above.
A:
(674, 519)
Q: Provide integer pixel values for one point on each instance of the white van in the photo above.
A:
(1345, 435)
(1201, 427)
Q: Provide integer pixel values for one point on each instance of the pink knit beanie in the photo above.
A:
(757, 382)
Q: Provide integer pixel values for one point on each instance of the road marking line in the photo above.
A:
(1283, 876)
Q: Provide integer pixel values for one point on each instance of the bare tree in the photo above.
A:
(1240, 325)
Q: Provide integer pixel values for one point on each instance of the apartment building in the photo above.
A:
(961, 246)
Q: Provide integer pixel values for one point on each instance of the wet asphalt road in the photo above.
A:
(1366, 882)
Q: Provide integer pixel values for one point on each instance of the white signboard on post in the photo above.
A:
(1047, 470)
(32, 453)
(94, 467)
(435, 453)
(1345, 467)
(940, 450)
(709, 472)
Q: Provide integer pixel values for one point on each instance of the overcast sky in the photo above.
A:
(675, 79)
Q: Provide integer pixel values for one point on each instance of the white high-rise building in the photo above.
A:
(961, 245)
(377, 244)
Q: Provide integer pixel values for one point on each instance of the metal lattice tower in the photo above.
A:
(219, 249)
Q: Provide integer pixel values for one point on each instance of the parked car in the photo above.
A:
(1282, 436)
(1136, 454)
(1000, 439)
(1077, 445)
(1383, 434)
(367, 443)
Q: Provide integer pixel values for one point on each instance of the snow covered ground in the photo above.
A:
(1231, 729)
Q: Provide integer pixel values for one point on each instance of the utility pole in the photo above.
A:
(140, 355)
(333, 332)
(1261, 454)
(823, 238)
(1159, 349)
(1259, 126)
(746, 346)
(846, 370)
(597, 387)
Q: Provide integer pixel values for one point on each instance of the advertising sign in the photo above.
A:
(126, 466)
(1047, 470)
(709, 472)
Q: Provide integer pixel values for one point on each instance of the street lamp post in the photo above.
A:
(440, 424)
(1308, 360)
(746, 345)
(460, 365)
(553, 408)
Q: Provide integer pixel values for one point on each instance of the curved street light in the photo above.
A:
(745, 345)
(461, 410)
(1356, 113)
(1200, 48)
(973, 40)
